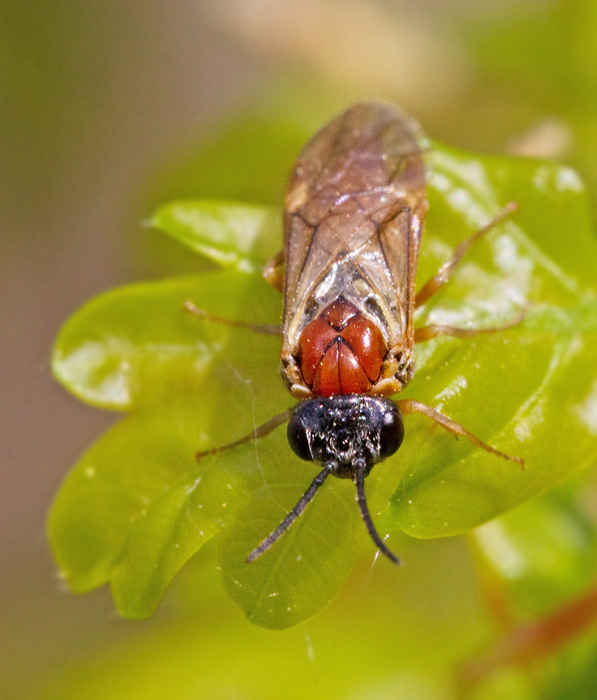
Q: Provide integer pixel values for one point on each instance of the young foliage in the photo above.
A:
(542, 552)
(138, 505)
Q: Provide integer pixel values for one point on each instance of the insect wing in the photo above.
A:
(354, 212)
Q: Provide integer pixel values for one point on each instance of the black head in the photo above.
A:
(347, 435)
(339, 430)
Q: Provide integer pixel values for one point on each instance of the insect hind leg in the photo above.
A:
(442, 277)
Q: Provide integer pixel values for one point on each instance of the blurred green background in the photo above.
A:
(102, 108)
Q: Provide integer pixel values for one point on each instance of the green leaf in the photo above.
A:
(138, 504)
(528, 390)
(299, 576)
(232, 235)
(134, 345)
(133, 518)
(117, 486)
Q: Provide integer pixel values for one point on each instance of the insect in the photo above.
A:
(354, 214)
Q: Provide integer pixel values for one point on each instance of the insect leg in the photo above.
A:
(259, 432)
(445, 272)
(412, 406)
(264, 328)
(428, 332)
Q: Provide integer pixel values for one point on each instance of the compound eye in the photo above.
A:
(298, 439)
(391, 433)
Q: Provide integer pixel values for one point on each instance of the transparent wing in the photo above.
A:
(355, 205)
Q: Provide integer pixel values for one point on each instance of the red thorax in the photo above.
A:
(341, 351)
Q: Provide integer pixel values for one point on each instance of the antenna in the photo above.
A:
(298, 509)
(360, 467)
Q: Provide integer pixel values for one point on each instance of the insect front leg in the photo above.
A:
(447, 269)
(255, 434)
(412, 406)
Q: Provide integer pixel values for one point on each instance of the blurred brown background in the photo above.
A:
(94, 98)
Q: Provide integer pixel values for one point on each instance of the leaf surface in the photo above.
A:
(137, 506)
